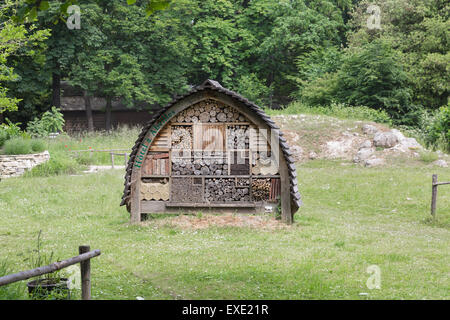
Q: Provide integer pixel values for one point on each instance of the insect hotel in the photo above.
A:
(211, 149)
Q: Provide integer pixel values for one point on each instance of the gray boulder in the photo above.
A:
(374, 162)
(369, 129)
(363, 154)
(385, 139)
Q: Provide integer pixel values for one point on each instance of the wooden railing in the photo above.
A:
(85, 266)
(112, 153)
(125, 155)
(434, 190)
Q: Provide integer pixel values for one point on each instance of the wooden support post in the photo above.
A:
(434, 189)
(112, 159)
(135, 205)
(286, 215)
(85, 267)
(126, 158)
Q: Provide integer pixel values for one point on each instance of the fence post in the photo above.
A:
(434, 195)
(85, 267)
(126, 162)
(112, 159)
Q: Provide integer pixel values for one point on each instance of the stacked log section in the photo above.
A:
(261, 189)
(181, 137)
(155, 189)
(185, 191)
(221, 190)
(209, 111)
(156, 164)
(238, 137)
(207, 164)
(243, 182)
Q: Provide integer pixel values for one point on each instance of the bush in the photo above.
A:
(17, 146)
(21, 145)
(37, 145)
(436, 128)
(59, 163)
(50, 122)
(428, 157)
(3, 137)
(374, 77)
(10, 130)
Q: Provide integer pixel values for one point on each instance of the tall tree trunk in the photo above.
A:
(89, 118)
(108, 113)
(1, 118)
(56, 90)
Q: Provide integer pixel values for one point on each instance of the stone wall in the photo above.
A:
(16, 165)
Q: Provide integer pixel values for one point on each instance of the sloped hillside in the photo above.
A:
(363, 142)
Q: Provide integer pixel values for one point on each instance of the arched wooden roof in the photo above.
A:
(215, 86)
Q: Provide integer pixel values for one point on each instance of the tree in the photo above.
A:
(121, 54)
(419, 31)
(13, 36)
(375, 78)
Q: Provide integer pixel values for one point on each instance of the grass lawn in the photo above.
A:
(352, 218)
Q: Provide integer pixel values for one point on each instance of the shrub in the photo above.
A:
(436, 128)
(3, 136)
(428, 157)
(51, 121)
(10, 130)
(59, 163)
(17, 146)
(374, 77)
(37, 145)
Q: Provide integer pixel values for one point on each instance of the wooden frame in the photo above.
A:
(254, 121)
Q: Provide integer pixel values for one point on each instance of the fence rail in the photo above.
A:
(83, 258)
(112, 153)
(434, 190)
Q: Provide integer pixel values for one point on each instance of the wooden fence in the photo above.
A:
(434, 190)
(112, 153)
(85, 267)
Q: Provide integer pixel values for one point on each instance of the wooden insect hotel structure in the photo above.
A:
(211, 149)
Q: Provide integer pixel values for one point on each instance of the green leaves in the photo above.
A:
(44, 5)
(153, 6)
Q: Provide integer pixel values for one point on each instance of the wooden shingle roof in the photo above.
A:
(215, 86)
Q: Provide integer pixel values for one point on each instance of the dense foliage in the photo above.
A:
(272, 51)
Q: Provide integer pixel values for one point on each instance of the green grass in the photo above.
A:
(352, 218)
(17, 146)
(335, 110)
(428, 157)
(64, 161)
